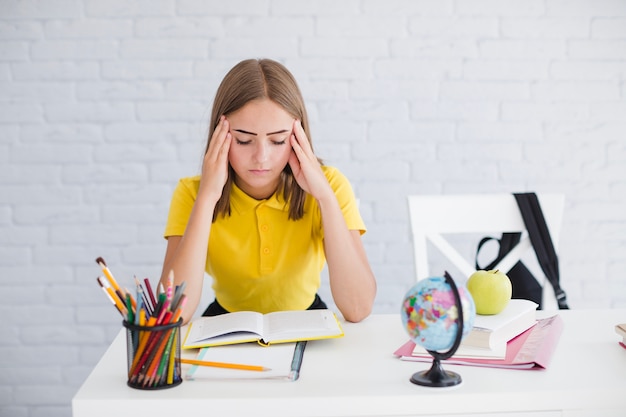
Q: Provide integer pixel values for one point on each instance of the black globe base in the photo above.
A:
(436, 376)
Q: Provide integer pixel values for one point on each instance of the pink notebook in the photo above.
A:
(532, 349)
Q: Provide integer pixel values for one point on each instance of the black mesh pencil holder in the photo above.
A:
(153, 355)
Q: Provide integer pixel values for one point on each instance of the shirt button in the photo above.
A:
(265, 228)
(266, 251)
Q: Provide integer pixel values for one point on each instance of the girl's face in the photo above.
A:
(260, 147)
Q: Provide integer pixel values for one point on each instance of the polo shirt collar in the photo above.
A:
(242, 202)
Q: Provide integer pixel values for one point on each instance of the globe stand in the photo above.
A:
(436, 376)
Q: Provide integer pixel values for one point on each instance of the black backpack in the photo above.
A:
(524, 283)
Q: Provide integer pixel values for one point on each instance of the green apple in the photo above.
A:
(491, 291)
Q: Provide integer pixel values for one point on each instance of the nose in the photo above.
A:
(261, 151)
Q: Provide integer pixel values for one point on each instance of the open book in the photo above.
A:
(249, 326)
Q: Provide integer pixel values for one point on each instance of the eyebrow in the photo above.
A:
(245, 132)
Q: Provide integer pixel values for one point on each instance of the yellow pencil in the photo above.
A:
(110, 295)
(224, 365)
(107, 273)
(172, 362)
(116, 300)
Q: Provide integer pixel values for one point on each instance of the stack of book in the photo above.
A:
(492, 333)
(513, 339)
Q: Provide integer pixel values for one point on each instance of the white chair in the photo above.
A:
(434, 216)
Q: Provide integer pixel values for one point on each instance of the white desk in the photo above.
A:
(357, 375)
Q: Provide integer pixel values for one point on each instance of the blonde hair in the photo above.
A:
(254, 79)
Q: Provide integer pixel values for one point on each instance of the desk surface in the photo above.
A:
(358, 375)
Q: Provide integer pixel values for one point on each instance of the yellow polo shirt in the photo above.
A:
(260, 260)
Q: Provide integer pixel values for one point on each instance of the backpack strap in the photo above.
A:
(542, 243)
(524, 283)
(507, 242)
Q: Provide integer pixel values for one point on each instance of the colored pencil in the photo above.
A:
(165, 359)
(110, 295)
(170, 286)
(172, 363)
(142, 293)
(132, 299)
(224, 365)
(150, 293)
(179, 309)
(118, 303)
(180, 290)
(129, 307)
(139, 307)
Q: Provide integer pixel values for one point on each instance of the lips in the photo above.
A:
(259, 171)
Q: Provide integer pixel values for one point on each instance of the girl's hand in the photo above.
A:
(352, 281)
(305, 166)
(215, 163)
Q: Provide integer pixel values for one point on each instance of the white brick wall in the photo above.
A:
(103, 106)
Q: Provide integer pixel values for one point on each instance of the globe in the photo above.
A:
(431, 313)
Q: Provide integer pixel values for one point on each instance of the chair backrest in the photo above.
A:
(433, 216)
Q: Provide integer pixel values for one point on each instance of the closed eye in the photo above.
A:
(242, 142)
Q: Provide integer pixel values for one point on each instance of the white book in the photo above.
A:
(469, 352)
(494, 331)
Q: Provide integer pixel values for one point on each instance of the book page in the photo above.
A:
(307, 324)
(204, 328)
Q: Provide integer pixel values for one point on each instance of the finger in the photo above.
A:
(222, 129)
(293, 161)
(298, 152)
(215, 167)
(301, 137)
(218, 138)
(223, 152)
(219, 158)
(295, 167)
(307, 161)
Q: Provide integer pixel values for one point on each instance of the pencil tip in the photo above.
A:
(100, 261)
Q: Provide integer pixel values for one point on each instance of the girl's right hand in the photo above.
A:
(215, 163)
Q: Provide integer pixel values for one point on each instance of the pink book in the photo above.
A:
(532, 349)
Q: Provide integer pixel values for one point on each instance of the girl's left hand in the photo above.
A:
(305, 165)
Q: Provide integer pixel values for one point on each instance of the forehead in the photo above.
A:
(260, 116)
